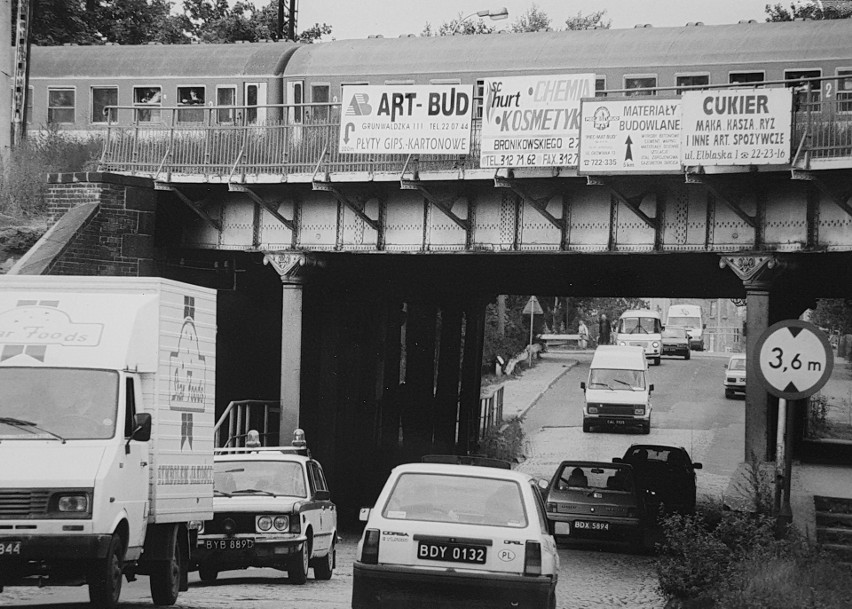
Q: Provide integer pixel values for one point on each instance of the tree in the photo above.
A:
(533, 20)
(588, 22)
(817, 10)
(458, 26)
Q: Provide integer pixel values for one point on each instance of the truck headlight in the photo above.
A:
(264, 523)
(639, 411)
(73, 503)
(281, 523)
(593, 409)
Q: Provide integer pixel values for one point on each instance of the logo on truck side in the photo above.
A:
(33, 325)
(187, 366)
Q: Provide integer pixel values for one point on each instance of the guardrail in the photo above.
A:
(231, 142)
(490, 411)
(231, 430)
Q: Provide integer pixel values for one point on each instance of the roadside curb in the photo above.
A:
(566, 367)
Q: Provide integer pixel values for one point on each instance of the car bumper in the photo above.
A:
(380, 586)
(682, 350)
(264, 553)
(624, 529)
(735, 387)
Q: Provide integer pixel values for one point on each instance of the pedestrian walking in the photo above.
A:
(583, 332)
(603, 330)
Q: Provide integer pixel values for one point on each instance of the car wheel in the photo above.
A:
(324, 567)
(105, 576)
(207, 574)
(656, 361)
(297, 569)
(688, 354)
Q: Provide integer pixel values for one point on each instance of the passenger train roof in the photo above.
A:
(646, 49)
(144, 61)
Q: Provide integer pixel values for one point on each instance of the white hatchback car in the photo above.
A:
(449, 535)
(735, 376)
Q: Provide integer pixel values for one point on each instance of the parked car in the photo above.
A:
(272, 508)
(593, 500)
(666, 474)
(735, 375)
(448, 535)
(676, 342)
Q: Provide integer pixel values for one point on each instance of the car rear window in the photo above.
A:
(463, 499)
(578, 477)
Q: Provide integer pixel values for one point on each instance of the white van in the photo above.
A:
(618, 394)
(688, 316)
(641, 328)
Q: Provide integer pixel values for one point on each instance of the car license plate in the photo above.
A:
(10, 548)
(229, 544)
(590, 525)
(451, 552)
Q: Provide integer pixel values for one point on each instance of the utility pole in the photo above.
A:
(5, 81)
(22, 71)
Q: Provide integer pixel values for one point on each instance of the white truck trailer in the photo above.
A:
(107, 388)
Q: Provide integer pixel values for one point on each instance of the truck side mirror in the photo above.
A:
(650, 387)
(583, 385)
(141, 427)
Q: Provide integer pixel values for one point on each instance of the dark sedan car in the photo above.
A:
(593, 500)
(666, 474)
(676, 342)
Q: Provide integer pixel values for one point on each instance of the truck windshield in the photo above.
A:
(74, 404)
(625, 380)
(685, 322)
(639, 325)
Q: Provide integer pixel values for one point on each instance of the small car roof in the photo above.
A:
(461, 470)
(619, 357)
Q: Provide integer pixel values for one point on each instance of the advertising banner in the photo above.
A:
(402, 119)
(737, 127)
(533, 121)
(624, 136)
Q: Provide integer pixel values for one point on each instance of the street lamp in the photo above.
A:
(493, 14)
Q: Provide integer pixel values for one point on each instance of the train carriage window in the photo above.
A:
(60, 105)
(101, 98)
(321, 94)
(226, 96)
(478, 99)
(844, 90)
(191, 96)
(805, 92)
(600, 86)
(147, 96)
(643, 85)
(691, 80)
(296, 97)
(745, 78)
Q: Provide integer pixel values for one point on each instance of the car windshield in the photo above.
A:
(463, 499)
(684, 322)
(639, 325)
(71, 404)
(624, 380)
(737, 363)
(674, 333)
(262, 477)
(578, 476)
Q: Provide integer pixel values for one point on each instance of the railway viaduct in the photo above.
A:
(355, 293)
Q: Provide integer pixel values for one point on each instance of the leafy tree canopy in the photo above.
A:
(57, 22)
(817, 10)
(533, 20)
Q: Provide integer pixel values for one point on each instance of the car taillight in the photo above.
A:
(370, 549)
(532, 558)
(551, 507)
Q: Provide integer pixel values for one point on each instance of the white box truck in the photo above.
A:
(106, 431)
(688, 316)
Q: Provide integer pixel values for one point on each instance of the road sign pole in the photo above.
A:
(529, 348)
(779, 453)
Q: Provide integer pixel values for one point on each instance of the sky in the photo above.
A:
(392, 18)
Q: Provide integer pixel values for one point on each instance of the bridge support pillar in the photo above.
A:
(291, 358)
(757, 440)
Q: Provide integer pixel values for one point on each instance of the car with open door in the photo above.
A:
(666, 474)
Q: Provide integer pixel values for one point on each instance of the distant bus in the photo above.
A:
(641, 328)
(688, 317)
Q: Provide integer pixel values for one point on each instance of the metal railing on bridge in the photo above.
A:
(240, 417)
(230, 143)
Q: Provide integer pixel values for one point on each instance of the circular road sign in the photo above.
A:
(794, 359)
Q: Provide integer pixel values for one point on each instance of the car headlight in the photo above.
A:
(655, 344)
(621, 343)
(264, 523)
(282, 523)
(196, 525)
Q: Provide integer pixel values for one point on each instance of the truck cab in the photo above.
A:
(641, 328)
(688, 317)
(617, 392)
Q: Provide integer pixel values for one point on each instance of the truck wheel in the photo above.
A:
(105, 576)
(207, 574)
(729, 394)
(297, 570)
(587, 427)
(646, 429)
(324, 567)
(164, 579)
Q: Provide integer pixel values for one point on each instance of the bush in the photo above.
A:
(505, 442)
(23, 183)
